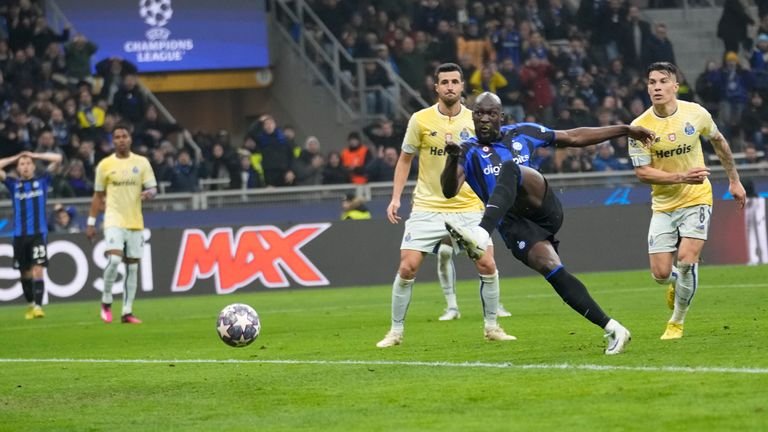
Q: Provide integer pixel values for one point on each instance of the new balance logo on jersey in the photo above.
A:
(681, 150)
(492, 169)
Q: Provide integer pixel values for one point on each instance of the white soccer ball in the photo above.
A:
(156, 13)
(238, 325)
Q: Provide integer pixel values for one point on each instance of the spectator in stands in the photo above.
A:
(78, 54)
(77, 179)
(510, 95)
(382, 169)
(308, 166)
(574, 60)
(659, 47)
(488, 78)
(275, 150)
(64, 220)
(23, 70)
(754, 121)
(427, 16)
(24, 127)
(186, 172)
(334, 172)
(86, 153)
(581, 114)
(151, 130)
(507, 42)
(60, 129)
(536, 77)
(383, 135)
(476, 46)
(443, 46)
(354, 208)
(576, 160)
(734, 83)
(635, 35)
(250, 178)
(112, 70)
(611, 24)
(162, 166)
(90, 117)
(223, 165)
(60, 187)
(355, 157)
(6, 56)
(558, 19)
(707, 87)
(411, 63)
(536, 47)
(46, 143)
(604, 160)
(544, 160)
(732, 27)
(378, 81)
(43, 36)
(758, 62)
(589, 91)
(751, 156)
(129, 101)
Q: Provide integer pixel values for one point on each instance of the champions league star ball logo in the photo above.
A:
(156, 13)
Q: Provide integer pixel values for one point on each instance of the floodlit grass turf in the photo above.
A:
(726, 329)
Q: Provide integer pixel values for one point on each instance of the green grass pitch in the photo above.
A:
(315, 366)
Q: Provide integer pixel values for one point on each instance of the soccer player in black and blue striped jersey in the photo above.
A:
(29, 193)
(496, 165)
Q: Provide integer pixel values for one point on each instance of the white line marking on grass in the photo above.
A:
(503, 365)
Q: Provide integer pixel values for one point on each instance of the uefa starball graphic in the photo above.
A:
(156, 13)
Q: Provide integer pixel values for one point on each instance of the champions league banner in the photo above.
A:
(174, 35)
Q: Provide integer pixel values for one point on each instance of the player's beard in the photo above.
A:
(450, 100)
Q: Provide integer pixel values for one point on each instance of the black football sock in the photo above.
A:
(39, 288)
(26, 286)
(503, 196)
(575, 295)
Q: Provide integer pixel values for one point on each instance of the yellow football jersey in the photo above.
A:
(677, 149)
(123, 180)
(425, 136)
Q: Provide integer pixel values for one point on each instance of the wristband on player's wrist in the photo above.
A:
(91, 221)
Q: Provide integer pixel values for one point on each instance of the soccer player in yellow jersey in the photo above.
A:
(124, 179)
(673, 164)
(428, 130)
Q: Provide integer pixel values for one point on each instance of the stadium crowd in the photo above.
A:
(548, 61)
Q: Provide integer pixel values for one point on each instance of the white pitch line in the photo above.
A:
(503, 365)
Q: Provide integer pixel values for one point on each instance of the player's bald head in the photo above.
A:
(488, 100)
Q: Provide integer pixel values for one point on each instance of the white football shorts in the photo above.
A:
(425, 230)
(668, 227)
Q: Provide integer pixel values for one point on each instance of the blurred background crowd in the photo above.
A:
(561, 64)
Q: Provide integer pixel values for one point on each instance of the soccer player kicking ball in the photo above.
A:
(124, 179)
(29, 194)
(519, 202)
(681, 193)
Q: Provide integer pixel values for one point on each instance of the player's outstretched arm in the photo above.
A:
(723, 151)
(586, 136)
(452, 176)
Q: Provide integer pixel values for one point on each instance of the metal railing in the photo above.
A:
(336, 70)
